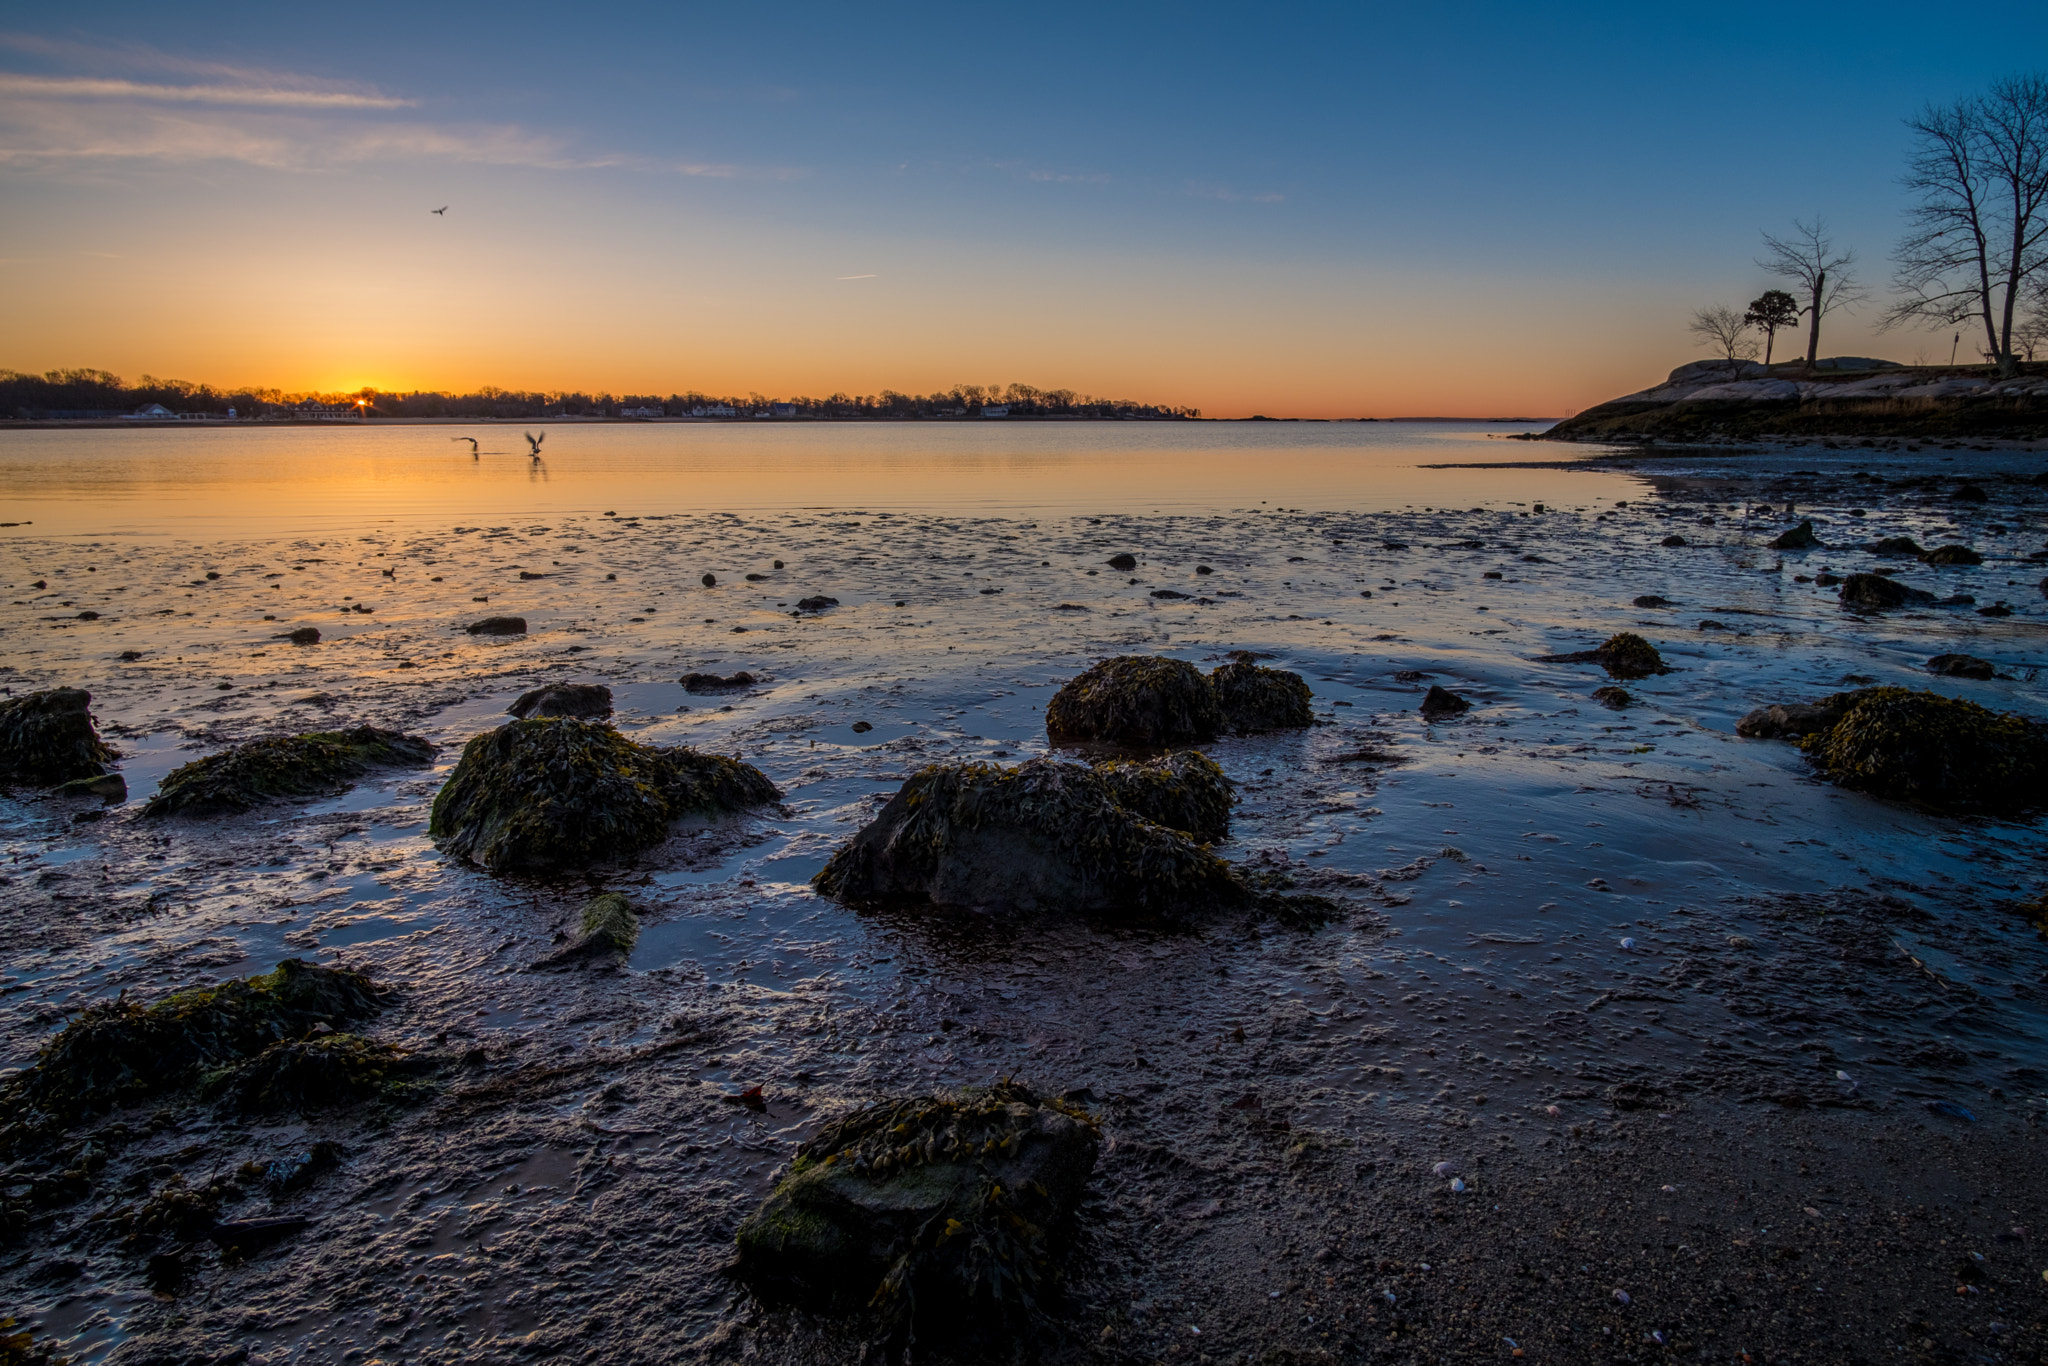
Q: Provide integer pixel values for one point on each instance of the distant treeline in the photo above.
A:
(97, 394)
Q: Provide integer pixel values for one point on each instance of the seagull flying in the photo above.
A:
(534, 442)
(442, 210)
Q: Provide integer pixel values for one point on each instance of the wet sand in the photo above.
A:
(1274, 1101)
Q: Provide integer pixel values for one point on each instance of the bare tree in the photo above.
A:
(1979, 235)
(2029, 335)
(1726, 331)
(1768, 312)
(1823, 273)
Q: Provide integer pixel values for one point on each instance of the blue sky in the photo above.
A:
(1298, 208)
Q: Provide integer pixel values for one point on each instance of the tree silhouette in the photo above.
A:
(1768, 312)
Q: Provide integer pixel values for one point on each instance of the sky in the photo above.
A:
(1300, 210)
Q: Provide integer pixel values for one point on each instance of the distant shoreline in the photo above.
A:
(270, 423)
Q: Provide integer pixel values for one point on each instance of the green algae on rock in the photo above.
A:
(250, 774)
(1941, 752)
(560, 791)
(1144, 700)
(118, 1051)
(48, 737)
(946, 1203)
(1184, 791)
(1255, 698)
(609, 931)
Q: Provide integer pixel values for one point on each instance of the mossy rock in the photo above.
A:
(1800, 537)
(1255, 698)
(1942, 753)
(119, 1051)
(1952, 554)
(592, 701)
(323, 1072)
(1140, 700)
(250, 774)
(942, 1203)
(609, 931)
(48, 737)
(1185, 791)
(563, 792)
(1880, 593)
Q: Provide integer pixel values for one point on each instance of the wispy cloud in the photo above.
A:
(857, 277)
(258, 96)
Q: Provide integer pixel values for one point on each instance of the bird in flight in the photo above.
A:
(472, 445)
(534, 442)
(442, 210)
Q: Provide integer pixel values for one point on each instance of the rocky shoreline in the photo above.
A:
(1844, 397)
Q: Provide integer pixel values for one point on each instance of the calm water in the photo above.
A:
(272, 480)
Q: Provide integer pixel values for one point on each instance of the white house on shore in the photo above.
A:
(995, 410)
(656, 411)
(153, 412)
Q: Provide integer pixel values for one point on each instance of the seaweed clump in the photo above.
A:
(48, 737)
(927, 1205)
(609, 931)
(548, 792)
(1254, 697)
(118, 1051)
(322, 1072)
(250, 774)
(1142, 700)
(1941, 752)
(1185, 791)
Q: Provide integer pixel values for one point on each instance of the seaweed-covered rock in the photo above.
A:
(1952, 554)
(609, 931)
(48, 737)
(591, 701)
(817, 602)
(323, 1072)
(1254, 697)
(1896, 545)
(1619, 699)
(945, 1203)
(1441, 701)
(554, 792)
(1123, 560)
(1941, 752)
(498, 626)
(1185, 791)
(1800, 537)
(250, 774)
(110, 786)
(1877, 593)
(118, 1051)
(1044, 835)
(1652, 600)
(1673, 541)
(1625, 655)
(1961, 666)
(1142, 700)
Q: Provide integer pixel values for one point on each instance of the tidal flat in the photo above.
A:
(1631, 1037)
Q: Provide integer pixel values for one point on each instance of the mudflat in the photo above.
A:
(1631, 1038)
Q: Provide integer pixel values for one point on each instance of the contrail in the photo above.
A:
(856, 277)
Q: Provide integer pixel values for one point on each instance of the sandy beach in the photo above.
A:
(1729, 1064)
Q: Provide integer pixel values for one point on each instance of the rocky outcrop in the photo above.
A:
(48, 737)
(1844, 395)
(1139, 700)
(590, 701)
(245, 777)
(562, 792)
(1255, 698)
(1625, 655)
(1184, 791)
(946, 1203)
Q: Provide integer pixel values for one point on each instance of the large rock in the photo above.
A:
(1624, 655)
(1141, 700)
(1878, 593)
(1800, 537)
(1938, 752)
(609, 931)
(1787, 720)
(589, 701)
(117, 1051)
(562, 792)
(250, 774)
(1184, 791)
(947, 1203)
(1961, 666)
(1255, 698)
(1952, 554)
(48, 737)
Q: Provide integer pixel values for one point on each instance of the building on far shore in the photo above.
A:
(314, 411)
(153, 412)
(656, 411)
(995, 410)
(714, 410)
(782, 410)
